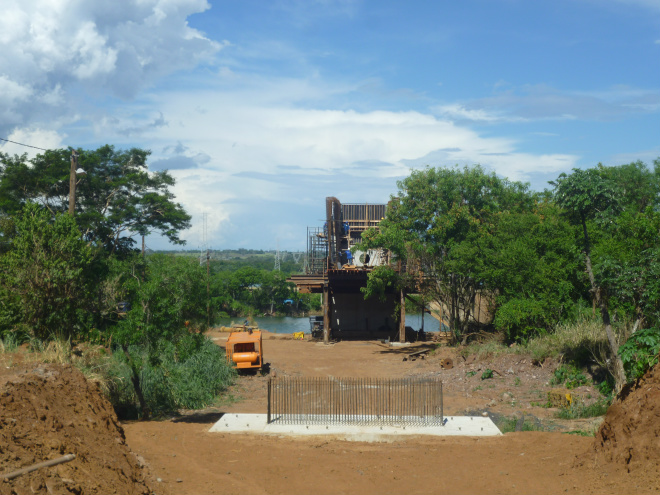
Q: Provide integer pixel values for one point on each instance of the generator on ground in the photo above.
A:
(244, 350)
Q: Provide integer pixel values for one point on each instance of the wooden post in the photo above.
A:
(402, 318)
(326, 314)
(72, 182)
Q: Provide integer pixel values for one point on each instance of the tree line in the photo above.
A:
(587, 243)
(540, 258)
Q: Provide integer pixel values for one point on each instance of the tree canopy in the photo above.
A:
(116, 199)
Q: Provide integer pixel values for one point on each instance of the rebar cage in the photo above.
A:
(355, 401)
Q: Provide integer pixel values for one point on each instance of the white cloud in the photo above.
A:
(47, 139)
(459, 112)
(54, 51)
(541, 102)
(238, 151)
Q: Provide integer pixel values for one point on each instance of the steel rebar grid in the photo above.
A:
(357, 401)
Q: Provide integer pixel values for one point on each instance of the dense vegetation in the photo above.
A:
(539, 258)
(78, 278)
(585, 250)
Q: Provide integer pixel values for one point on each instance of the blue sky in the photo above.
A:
(262, 109)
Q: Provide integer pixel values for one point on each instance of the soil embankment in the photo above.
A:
(48, 411)
(630, 434)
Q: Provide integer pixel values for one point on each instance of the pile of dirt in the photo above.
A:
(630, 433)
(48, 411)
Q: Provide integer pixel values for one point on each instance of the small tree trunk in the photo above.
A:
(619, 373)
(135, 380)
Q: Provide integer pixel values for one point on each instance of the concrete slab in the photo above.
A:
(454, 426)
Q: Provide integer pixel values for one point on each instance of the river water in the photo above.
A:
(289, 324)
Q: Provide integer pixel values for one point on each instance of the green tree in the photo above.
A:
(586, 196)
(116, 199)
(531, 267)
(168, 301)
(44, 277)
(438, 224)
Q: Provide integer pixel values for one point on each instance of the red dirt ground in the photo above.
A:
(60, 413)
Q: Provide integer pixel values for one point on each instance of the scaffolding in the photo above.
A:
(317, 251)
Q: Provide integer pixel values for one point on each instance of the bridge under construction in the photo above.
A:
(336, 270)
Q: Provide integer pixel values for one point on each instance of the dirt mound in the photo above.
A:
(630, 434)
(48, 411)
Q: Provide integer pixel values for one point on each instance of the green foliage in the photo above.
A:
(569, 376)
(248, 290)
(578, 410)
(470, 374)
(116, 199)
(582, 433)
(186, 374)
(509, 424)
(640, 352)
(165, 292)
(44, 277)
(520, 319)
(586, 195)
(382, 280)
(487, 374)
(605, 388)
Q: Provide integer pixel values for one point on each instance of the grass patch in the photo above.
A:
(581, 341)
(578, 410)
(583, 433)
(188, 374)
(508, 424)
(8, 344)
(484, 349)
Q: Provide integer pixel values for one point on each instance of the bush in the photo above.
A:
(521, 319)
(569, 375)
(187, 374)
(640, 352)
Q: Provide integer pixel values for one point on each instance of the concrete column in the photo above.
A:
(326, 314)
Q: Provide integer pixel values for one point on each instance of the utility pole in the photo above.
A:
(277, 256)
(72, 182)
(208, 288)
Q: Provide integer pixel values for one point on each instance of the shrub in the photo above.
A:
(187, 374)
(521, 319)
(577, 410)
(640, 352)
(568, 375)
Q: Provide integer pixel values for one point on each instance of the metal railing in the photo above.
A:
(357, 401)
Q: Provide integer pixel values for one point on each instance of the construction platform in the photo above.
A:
(471, 426)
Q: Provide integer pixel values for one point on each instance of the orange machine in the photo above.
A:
(244, 350)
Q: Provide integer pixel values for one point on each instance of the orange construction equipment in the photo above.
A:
(244, 350)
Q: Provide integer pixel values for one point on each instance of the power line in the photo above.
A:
(21, 144)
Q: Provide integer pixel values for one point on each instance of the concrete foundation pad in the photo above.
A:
(476, 426)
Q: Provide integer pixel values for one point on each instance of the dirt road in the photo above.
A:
(188, 460)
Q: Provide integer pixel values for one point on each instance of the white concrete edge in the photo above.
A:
(454, 426)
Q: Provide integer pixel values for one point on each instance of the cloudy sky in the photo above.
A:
(261, 109)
